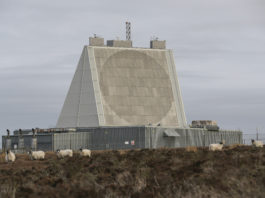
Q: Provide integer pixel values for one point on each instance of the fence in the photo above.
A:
(255, 136)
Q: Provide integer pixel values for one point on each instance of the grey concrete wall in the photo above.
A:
(181, 117)
(123, 87)
(119, 43)
(96, 41)
(136, 88)
(80, 109)
(154, 44)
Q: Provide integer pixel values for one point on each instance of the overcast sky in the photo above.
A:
(219, 48)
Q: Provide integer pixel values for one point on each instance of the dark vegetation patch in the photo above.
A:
(237, 172)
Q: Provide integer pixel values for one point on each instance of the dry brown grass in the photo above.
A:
(234, 146)
(182, 172)
(2, 157)
(191, 149)
(122, 152)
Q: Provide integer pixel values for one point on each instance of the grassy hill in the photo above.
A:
(233, 172)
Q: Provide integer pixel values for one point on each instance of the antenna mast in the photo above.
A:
(128, 31)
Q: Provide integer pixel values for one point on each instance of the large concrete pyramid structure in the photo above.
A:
(118, 85)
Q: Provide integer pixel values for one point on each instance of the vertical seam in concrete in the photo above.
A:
(95, 81)
(176, 90)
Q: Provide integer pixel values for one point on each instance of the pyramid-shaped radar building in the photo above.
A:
(117, 85)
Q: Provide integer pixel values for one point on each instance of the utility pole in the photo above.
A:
(257, 135)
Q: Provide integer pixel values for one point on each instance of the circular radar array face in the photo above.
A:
(135, 87)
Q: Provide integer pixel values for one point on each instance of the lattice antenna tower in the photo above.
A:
(128, 31)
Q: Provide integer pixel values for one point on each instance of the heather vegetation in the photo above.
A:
(233, 172)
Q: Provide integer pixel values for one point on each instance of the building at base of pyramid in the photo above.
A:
(122, 97)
